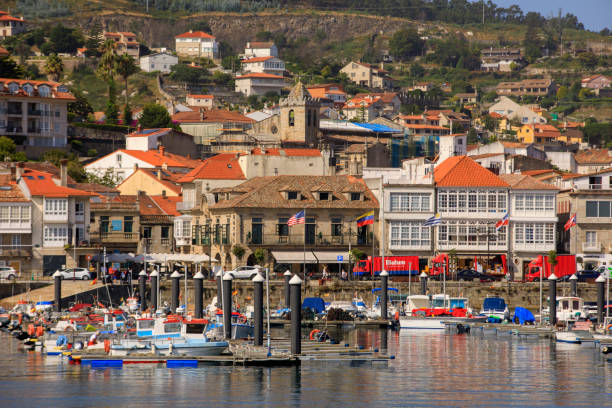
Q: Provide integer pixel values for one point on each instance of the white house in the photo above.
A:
(256, 49)
(161, 62)
(197, 44)
(259, 84)
(512, 110)
(266, 65)
(204, 101)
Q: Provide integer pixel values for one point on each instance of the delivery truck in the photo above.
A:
(394, 265)
(566, 266)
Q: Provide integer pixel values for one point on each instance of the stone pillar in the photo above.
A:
(423, 279)
(384, 296)
(198, 301)
(176, 278)
(600, 297)
(154, 288)
(57, 277)
(287, 276)
(573, 285)
(219, 277)
(142, 288)
(552, 297)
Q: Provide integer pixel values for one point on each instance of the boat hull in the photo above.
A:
(567, 337)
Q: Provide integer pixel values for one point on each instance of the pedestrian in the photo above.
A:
(343, 274)
(325, 272)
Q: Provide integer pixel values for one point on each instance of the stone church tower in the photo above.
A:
(299, 117)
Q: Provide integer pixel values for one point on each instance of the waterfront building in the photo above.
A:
(15, 225)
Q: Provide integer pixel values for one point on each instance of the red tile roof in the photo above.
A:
(168, 179)
(168, 204)
(385, 97)
(201, 96)
(223, 166)
(6, 17)
(158, 159)
(525, 182)
(149, 132)
(287, 152)
(9, 191)
(42, 184)
(214, 116)
(259, 44)
(256, 59)
(54, 94)
(4, 52)
(195, 34)
(462, 171)
(593, 156)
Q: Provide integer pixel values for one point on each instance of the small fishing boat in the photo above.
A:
(567, 337)
(495, 308)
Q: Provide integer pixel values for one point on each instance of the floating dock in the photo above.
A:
(502, 329)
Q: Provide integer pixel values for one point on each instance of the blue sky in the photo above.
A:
(594, 14)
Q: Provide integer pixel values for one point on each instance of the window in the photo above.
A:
(16, 241)
(79, 209)
(604, 209)
(55, 234)
(599, 209)
(336, 227)
(591, 237)
(104, 223)
(56, 206)
(324, 196)
(291, 118)
(409, 234)
(128, 222)
(146, 232)
(355, 196)
(534, 233)
(165, 232)
(119, 159)
(292, 195)
(414, 202)
(282, 227)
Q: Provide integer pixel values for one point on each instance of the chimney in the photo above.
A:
(164, 194)
(201, 113)
(159, 174)
(13, 174)
(135, 167)
(162, 150)
(64, 172)
(19, 170)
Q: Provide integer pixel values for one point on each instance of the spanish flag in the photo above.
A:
(365, 219)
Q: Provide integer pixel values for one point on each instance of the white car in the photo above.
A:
(245, 272)
(75, 273)
(8, 272)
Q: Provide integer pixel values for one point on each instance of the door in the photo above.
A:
(310, 231)
(256, 231)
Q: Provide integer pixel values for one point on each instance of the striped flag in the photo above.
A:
(504, 221)
(435, 220)
(570, 223)
(298, 218)
(365, 219)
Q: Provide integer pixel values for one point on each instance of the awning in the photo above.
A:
(312, 257)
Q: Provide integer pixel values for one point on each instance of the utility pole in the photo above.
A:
(483, 4)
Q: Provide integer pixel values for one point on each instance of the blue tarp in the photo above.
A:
(377, 289)
(377, 128)
(524, 315)
(315, 303)
(494, 304)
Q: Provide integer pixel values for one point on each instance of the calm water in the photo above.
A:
(431, 369)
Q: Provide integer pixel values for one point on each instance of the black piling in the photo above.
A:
(176, 277)
(227, 306)
(198, 280)
(142, 287)
(423, 278)
(219, 277)
(573, 285)
(384, 296)
(154, 288)
(600, 297)
(287, 276)
(58, 291)
(552, 297)
(296, 314)
(258, 281)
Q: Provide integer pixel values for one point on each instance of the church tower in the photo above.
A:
(299, 117)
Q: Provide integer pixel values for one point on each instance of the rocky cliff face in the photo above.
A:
(236, 29)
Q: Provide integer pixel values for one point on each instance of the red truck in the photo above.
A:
(566, 266)
(394, 265)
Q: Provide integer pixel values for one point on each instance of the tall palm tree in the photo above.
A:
(108, 62)
(54, 67)
(126, 67)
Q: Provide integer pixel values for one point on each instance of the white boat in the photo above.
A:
(415, 315)
(567, 337)
(495, 306)
(570, 309)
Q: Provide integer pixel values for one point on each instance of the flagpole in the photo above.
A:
(305, 251)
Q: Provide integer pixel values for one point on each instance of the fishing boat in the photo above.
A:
(421, 313)
(567, 337)
(496, 308)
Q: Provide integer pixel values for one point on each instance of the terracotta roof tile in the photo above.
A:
(266, 192)
(42, 184)
(149, 132)
(256, 59)
(594, 156)
(158, 159)
(462, 171)
(195, 34)
(525, 182)
(223, 166)
(9, 191)
(212, 116)
(260, 75)
(168, 204)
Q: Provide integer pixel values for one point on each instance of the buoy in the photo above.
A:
(31, 329)
(40, 331)
(107, 345)
(313, 333)
(396, 315)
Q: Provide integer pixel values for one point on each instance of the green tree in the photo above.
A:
(187, 74)
(533, 47)
(231, 62)
(489, 123)
(127, 115)
(472, 136)
(406, 43)
(562, 92)
(80, 109)
(9, 69)
(109, 178)
(201, 25)
(8, 150)
(126, 67)
(94, 41)
(54, 67)
(111, 111)
(416, 70)
(65, 39)
(75, 169)
(155, 116)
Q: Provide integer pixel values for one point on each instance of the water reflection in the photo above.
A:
(431, 368)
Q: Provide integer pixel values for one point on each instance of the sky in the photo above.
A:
(594, 14)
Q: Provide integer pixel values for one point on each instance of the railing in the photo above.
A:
(165, 241)
(34, 112)
(331, 240)
(591, 246)
(595, 186)
(14, 111)
(13, 251)
(121, 237)
(14, 129)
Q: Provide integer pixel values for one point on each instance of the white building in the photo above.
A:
(256, 49)
(204, 101)
(266, 65)
(197, 44)
(259, 84)
(452, 145)
(161, 62)
(512, 110)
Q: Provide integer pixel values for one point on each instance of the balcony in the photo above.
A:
(14, 129)
(15, 226)
(118, 237)
(317, 240)
(22, 251)
(591, 247)
(34, 112)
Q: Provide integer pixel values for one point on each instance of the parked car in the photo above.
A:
(75, 273)
(8, 272)
(245, 272)
(471, 274)
(584, 276)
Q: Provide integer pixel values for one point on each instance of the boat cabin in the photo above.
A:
(570, 308)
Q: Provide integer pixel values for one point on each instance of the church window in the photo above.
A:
(291, 118)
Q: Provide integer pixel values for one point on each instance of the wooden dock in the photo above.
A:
(503, 329)
(246, 354)
(318, 324)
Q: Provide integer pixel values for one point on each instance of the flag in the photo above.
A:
(365, 219)
(435, 220)
(298, 218)
(570, 223)
(504, 221)
(93, 282)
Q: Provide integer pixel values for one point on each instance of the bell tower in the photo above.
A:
(299, 117)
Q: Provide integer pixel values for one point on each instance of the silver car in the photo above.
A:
(8, 272)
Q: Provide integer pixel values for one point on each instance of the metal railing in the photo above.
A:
(332, 240)
(118, 236)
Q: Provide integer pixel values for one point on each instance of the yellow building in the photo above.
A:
(153, 182)
(538, 133)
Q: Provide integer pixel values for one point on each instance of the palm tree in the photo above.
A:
(54, 67)
(125, 67)
(108, 62)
